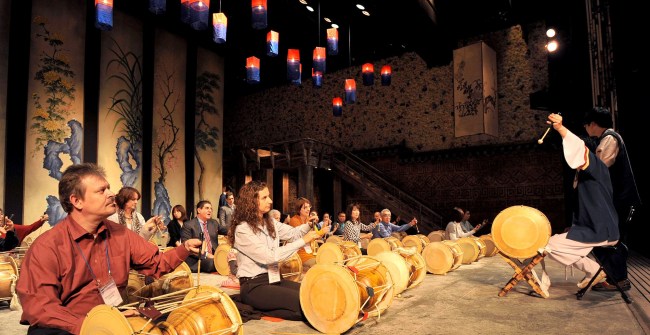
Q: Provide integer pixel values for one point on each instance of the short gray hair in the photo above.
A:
(275, 213)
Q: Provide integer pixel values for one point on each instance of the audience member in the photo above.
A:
(339, 225)
(84, 260)
(225, 213)
(257, 238)
(205, 229)
(175, 226)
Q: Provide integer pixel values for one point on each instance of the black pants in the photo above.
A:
(616, 262)
(36, 330)
(281, 299)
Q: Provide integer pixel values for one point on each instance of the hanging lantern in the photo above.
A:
(337, 106)
(319, 59)
(293, 64)
(104, 14)
(317, 78)
(272, 43)
(385, 75)
(258, 18)
(219, 27)
(332, 41)
(368, 74)
(298, 80)
(252, 70)
(350, 91)
(158, 6)
(199, 14)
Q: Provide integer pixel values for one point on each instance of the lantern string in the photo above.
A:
(219, 6)
(349, 44)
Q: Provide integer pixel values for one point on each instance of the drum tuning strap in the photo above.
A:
(353, 269)
(149, 311)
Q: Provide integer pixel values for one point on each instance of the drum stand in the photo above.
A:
(524, 271)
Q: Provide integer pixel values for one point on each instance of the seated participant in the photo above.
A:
(454, 228)
(354, 227)
(8, 237)
(257, 239)
(127, 214)
(303, 207)
(84, 260)
(386, 228)
(204, 228)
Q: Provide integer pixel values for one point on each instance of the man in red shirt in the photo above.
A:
(84, 260)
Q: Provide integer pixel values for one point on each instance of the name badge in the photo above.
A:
(274, 273)
(110, 294)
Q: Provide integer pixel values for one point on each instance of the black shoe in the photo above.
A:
(605, 286)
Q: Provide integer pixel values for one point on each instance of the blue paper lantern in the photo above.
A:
(293, 64)
(319, 59)
(219, 27)
(350, 91)
(337, 106)
(199, 14)
(317, 78)
(252, 70)
(258, 18)
(104, 14)
(368, 74)
(272, 43)
(332, 41)
(386, 75)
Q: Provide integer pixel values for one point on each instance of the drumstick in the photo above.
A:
(541, 140)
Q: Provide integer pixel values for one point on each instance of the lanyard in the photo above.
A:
(108, 260)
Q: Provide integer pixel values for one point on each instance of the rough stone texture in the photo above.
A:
(417, 108)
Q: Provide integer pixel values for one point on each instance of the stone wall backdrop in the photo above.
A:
(483, 173)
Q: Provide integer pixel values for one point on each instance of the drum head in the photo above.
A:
(413, 241)
(470, 249)
(490, 247)
(438, 257)
(377, 246)
(105, 320)
(221, 259)
(349, 249)
(334, 239)
(436, 236)
(329, 298)
(519, 231)
(398, 268)
(329, 253)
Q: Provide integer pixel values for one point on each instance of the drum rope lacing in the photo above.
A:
(381, 289)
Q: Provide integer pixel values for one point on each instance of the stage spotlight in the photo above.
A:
(551, 46)
(550, 32)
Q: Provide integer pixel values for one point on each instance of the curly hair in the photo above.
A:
(248, 211)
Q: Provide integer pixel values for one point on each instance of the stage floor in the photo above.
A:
(465, 301)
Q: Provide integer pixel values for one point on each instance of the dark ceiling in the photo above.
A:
(428, 27)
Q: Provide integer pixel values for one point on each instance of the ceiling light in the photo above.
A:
(327, 19)
(310, 8)
(334, 25)
(550, 32)
(304, 2)
(360, 6)
(552, 46)
(365, 12)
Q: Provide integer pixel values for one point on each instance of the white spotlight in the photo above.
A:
(360, 6)
(334, 25)
(552, 46)
(309, 8)
(550, 32)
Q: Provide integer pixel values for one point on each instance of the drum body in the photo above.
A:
(418, 241)
(378, 245)
(442, 257)
(490, 248)
(436, 236)
(8, 277)
(206, 310)
(482, 248)
(291, 268)
(470, 249)
(107, 320)
(520, 231)
(398, 268)
(331, 252)
(179, 279)
(417, 267)
(332, 296)
(334, 239)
